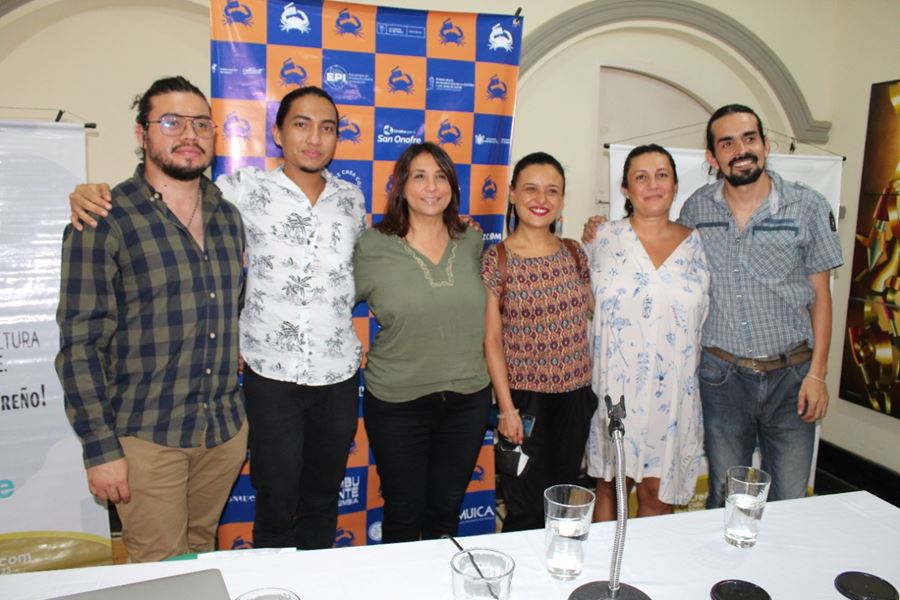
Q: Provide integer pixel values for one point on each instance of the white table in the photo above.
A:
(803, 545)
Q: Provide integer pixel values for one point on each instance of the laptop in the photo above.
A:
(199, 585)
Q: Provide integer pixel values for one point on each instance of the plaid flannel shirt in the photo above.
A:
(760, 292)
(149, 324)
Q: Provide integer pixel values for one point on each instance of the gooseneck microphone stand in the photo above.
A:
(613, 589)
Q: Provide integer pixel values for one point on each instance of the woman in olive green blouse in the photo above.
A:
(427, 392)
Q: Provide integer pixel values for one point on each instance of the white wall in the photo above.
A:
(92, 56)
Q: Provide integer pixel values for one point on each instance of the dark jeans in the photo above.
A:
(742, 407)
(299, 440)
(555, 450)
(425, 450)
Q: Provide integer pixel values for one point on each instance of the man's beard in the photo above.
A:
(178, 172)
(739, 178)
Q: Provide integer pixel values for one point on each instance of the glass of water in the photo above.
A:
(481, 574)
(746, 489)
(567, 521)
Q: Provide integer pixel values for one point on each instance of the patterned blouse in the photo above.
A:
(545, 319)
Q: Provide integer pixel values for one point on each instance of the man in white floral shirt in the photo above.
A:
(300, 350)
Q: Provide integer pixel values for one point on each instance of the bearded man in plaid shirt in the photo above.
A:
(770, 245)
(148, 318)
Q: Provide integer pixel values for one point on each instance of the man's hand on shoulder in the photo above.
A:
(109, 481)
(590, 228)
(89, 198)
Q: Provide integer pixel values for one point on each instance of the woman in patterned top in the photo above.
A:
(536, 339)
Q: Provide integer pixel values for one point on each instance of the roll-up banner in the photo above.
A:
(48, 518)
(398, 77)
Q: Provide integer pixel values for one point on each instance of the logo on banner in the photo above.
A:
(238, 13)
(387, 189)
(353, 177)
(478, 473)
(448, 133)
(477, 513)
(496, 89)
(348, 24)
(398, 136)
(488, 192)
(350, 494)
(500, 39)
(236, 127)
(239, 543)
(398, 81)
(294, 19)
(292, 73)
(343, 538)
(374, 531)
(349, 131)
(451, 34)
(336, 77)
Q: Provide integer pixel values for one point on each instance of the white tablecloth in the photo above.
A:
(803, 545)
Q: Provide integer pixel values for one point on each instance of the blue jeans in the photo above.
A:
(741, 407)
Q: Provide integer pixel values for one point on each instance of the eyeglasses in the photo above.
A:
(172, 125)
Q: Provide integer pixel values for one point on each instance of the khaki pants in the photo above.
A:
(177, 496)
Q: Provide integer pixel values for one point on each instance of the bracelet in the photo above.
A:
(815, 378)
(514, 412)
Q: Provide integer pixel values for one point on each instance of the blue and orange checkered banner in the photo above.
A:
(398, 77)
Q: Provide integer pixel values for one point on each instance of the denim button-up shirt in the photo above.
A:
(760, 290)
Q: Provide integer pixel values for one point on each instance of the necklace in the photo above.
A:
(194, 212)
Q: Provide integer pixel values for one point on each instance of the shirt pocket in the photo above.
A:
(773, 252)
(716, 242)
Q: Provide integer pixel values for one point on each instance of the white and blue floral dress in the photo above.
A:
(647, 325)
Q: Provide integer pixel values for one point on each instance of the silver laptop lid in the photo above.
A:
(199, 585)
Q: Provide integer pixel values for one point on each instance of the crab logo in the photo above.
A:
(236, 126)
(353, 448)
(343, 538)
(237, 13)
(451, 34)
(348, 131)
(496, 89)
(292, 73)
(398, 81)
(239, 543)
(478, 473)
(347, 24)
(489, 190)
(500, 39)
(388, 187)
(448, 133)
(294, 19)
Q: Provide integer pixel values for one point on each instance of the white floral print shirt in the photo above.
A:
(296, 324)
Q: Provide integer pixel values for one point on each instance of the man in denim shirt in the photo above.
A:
(770, 245)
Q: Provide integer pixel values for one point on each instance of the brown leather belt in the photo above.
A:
(794, 356)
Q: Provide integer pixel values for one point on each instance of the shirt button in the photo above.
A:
(740, 296)
(205, 405)
(737, 270)
(209, 371)
(206, 257)
(212, 336)
(744, 323)
(212, 294)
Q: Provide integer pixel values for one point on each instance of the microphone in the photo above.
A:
(614, 589)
